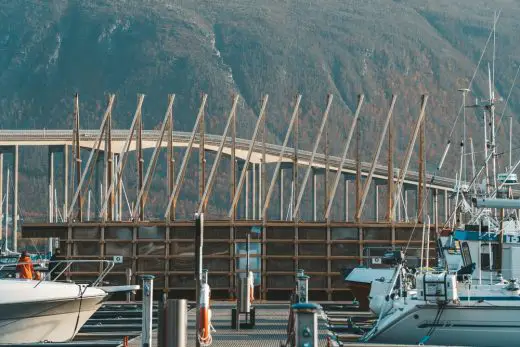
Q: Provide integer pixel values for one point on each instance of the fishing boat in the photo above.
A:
(33, 311)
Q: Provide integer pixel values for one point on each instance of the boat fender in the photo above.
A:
(251, 287)
(205, 327)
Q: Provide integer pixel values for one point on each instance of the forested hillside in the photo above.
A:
(51, 50)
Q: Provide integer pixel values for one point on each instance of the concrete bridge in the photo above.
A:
(341, 226)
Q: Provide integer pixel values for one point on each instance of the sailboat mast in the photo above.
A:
(510, 139)
(494, 50)
(486, 164)
(492, 130)
(464, 136)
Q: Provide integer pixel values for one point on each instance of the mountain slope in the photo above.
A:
(51, 51)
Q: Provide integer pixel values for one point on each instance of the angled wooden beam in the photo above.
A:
(170, 175)
(332, 194)
(358, 173)
(263, 180)
(143, 193)
(376, 157)
(209, 185)
(233, 168)
(93, 153)
(311, 161)
(248, 158)
(421, 189)
(115, 183)
(108, 168)
(76, 147)
(202, 158)
(409, 150)
(280, 157)
(172, 200)
(295, 167)
(390, 174)
(140, 161)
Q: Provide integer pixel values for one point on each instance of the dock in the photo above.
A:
(270, 329)
(342, 325)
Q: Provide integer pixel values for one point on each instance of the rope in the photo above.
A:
(79, 309)
(433, 327)
(204, 333)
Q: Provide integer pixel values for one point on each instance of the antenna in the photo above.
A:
(494, 51)
(510, 138)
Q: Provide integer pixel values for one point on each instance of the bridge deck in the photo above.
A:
(60, 137)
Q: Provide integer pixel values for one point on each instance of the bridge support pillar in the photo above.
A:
(253, 193)
(1, 198)
(260, 192)
(281, 183)
(100, 183)
(55, 207)
(15, 207)
(346, 199)
(446, 206)
(436, 209)
(50, 184)
(248, 208)
(12, 175)
(65, 182)
(376, 202)
(406, 190)
(314, 193)
(247, 192)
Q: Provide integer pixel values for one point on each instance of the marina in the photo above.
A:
(174, 238)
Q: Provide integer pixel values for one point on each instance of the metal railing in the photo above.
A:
(109, 265)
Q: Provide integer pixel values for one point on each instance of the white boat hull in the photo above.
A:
(45, 328)
(32, 312)
(477, 324)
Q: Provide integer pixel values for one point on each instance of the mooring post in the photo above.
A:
(146, 338)
(161, 321)
(306, 324)
(176, 334)
(128, 272)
